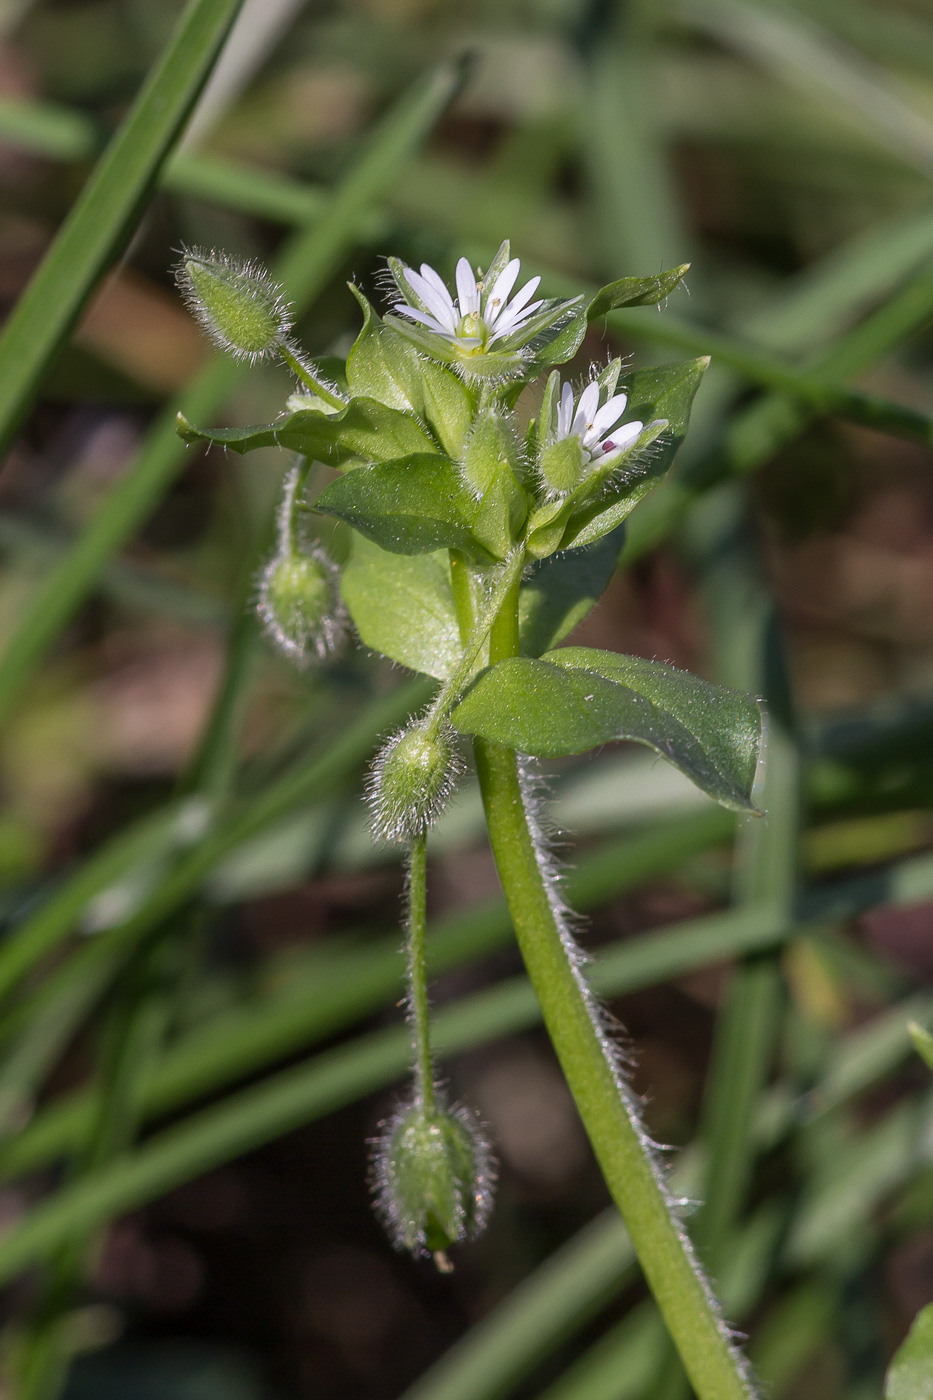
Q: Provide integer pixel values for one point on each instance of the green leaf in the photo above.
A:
(383, 365)
(910, 1376)
(403, 606)
(561, 591)
(636, 291)
(599, 506)
(364, 429)
(578, 698)
(413, 505)
(923, 1042)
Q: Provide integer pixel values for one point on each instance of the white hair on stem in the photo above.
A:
(566, 920)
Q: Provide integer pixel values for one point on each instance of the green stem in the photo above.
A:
(307, 376)
(419, 1006)
(478, 630)
(589, 1064)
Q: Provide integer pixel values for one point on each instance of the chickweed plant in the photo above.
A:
(477, 546)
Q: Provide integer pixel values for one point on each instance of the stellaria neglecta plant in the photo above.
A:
(476, 549)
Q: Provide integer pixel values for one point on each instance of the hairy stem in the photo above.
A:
(420, 1010)
(305, 373)
(587, 1058)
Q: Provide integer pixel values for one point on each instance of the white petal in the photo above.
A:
(587, 405)
(414, 314)
(511, 321)
(619, 441)
(440, 306)
(565, 412)
(609, 415)
(524, 295)
(498, 293)
(436, 281)
(467, 291)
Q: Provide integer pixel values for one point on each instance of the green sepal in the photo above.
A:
(383, 365)
(409, 506)
(636, 291)
(602, 502)
(578, 698)
(910, 1375)
(561, 464)
(364, 430)
(490, 466)
(402, 606)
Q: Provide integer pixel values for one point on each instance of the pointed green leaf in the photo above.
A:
(383, 365)
(410, 506)
(578, 698)
(364, 429)
(636, 291)
(561, 591)
(910, 1376)
(403, 606)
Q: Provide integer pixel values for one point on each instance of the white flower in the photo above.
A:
(481, 315)
(600, 430)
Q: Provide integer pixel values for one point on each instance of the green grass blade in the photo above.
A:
(296, 1096)
(308, 1008)
(304, 266)
(559, 1298)
(104, 216)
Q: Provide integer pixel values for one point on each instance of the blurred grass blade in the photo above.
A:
(55, 920)
(554, 1302)
(296, 1096)
(814, 62)
(107, 209)
(308, 1007)
(304, 266)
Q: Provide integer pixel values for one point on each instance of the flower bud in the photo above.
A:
(299, 606)
(411, 780)
(239, 306)
(433, 1177)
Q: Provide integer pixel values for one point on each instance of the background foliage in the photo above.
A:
(183, 848)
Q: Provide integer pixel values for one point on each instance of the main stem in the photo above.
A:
(607, 1110)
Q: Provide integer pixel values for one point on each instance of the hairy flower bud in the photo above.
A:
(240, 308)
(433, 1177)
(411, 780)
(299, 606)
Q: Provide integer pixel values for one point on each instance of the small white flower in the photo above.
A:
(480, 315)
(600, 430)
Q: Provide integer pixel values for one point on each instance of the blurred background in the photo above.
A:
(786, 151)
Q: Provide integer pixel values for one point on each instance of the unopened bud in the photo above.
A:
(240, 308)
(433, 1177)
(411, 780)
(299, 606)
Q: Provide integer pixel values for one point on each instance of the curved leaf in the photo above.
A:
(410, 506)
(636, 291)
(577, 698)
(364, 429)
(561, 590)
(403, 606)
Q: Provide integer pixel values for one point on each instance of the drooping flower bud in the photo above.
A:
(299, 605)
(242, 311)
(411, 779)
(433, 1176)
